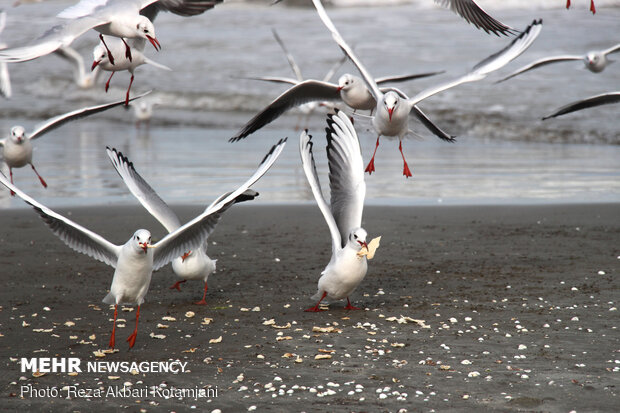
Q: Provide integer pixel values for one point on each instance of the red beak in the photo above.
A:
(184, 256)
(390, 111)
(144, 246)
(154, 42)
(95, 64)
(339, 88)
(363, 244)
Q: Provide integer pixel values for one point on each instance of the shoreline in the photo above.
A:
(519, 302)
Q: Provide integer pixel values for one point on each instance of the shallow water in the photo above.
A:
(504, 153)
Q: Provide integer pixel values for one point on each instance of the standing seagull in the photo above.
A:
(391, 116)
(102, 61)
(595, 61)
(17, 148)
(135, 261)
(5, 80)
(118, 18)
(598, 100)
(346, 268)
(192, 265)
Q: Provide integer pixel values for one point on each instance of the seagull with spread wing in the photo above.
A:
(135, 261)
(391, 116)
(595, 61)
(192, 265)
(17, 148)
(347, 267)
(125, 19)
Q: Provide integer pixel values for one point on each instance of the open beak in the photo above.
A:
(95, 64)
(184, 256)
(363, 244)
(154, 42)
(390, 112)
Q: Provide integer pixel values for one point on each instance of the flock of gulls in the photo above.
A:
(125, 27)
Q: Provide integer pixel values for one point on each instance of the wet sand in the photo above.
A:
(519, 308)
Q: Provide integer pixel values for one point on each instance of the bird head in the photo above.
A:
(141, 240)
(346, 81)
(357, 238)
(146, 30)
(99, 55)
(18, 134)
(390, 101)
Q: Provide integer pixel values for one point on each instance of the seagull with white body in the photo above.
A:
(123, 63)
(346, 268)
(598, 100)
(143, 111)
(83, 78)
(391, 116)
(17, 147)
(350, 89)
(192, 265)
(5, 80)
(595, 61)
(135, 261)
(124, 19)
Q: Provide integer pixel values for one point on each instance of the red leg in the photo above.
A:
(40, 179)
(592, 8)
(11, 173)
(406, 170)
(316, 308)
(177, 285)
(108, 50)
(371, 165)
(127, 50)
(567, 4)
(132, 338)
(128, 89)
(114, 327)
(349, 306)
(107, 84)
(204, 295)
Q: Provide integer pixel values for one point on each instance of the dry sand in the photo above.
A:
(520, 304)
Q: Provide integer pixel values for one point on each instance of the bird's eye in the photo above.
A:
(355, 236)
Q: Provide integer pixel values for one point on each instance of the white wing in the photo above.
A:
(143, 191)
(2, 20)
(613, 49)
(541, 62)
(194, 233)
(368, 79)
(474, 14)
(289, 56)
(598, 100)
(73, 235)
(100, 7)
(276, 79)
(58, 36)
(307, 161)
(346, 174)
(404, 78)
(60, 120)
(5, 81)
(488, 65)
(304, 92)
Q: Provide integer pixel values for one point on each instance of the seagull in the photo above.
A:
(192, 265)
(598, 100)
(101, 59)
(118, 18)
(595, 61)
(350, 89)
(393, 107)
(143, 111)
(5, 80)
(346, 269)
(135, 261)
(17, 147)
(592, 8)
(82, 79)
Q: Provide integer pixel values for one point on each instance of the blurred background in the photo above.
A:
(504, 154)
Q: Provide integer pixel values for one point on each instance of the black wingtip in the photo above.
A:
(273, 148)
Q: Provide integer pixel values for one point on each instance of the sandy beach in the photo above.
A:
(465, 308)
